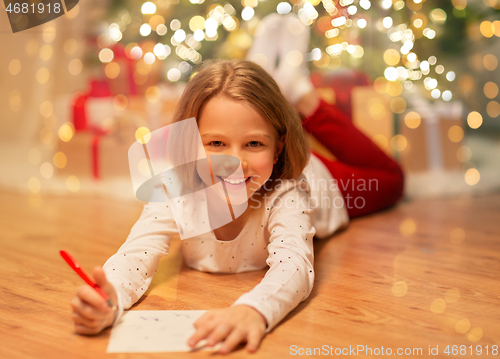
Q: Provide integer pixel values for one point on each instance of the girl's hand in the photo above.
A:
(91, 313)
(233, 325)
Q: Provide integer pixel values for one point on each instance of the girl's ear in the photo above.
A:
(279, 148)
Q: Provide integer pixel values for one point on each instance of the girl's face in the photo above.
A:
(235, 128)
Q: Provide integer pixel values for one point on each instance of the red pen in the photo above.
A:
(79, 270)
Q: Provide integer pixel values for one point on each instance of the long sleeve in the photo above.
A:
(132, 268)
(290, 277)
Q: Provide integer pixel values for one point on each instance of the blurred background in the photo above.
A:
(421, 78)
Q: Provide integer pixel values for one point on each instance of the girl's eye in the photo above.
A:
(254, 143)
(215, 143)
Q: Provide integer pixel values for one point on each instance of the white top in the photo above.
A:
(280, 236)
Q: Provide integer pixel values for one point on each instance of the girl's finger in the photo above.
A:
(78, 319)
(253, 340)
(81, 329)
(200, 333)
(88, 295)
(220, 333)
(86, 311)
(81, 308)
(232, 341)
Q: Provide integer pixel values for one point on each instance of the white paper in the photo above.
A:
(151, 331)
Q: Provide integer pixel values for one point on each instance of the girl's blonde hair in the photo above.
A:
(243, 80)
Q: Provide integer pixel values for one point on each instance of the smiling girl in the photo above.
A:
(241, 112)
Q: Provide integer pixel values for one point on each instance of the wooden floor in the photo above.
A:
(405, 278)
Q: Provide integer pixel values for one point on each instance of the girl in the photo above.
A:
(240, 111)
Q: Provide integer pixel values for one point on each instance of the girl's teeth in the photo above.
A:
(234, 181)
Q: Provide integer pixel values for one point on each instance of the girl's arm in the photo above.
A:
(132, 268)
(290, 277)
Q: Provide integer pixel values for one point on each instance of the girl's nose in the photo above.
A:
(231, 165)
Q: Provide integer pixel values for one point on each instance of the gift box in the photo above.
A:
(107, 127)
(372, 115)
(433, 135)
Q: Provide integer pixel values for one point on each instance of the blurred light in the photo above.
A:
(361, 23)
(34, 185)
(14, 67)
(148, 8)
(387, 22)
(316, 54)
(66, 132)
(424, 66)
(432, 60)
(487, 29)
(438, 15)
(199, 35)
(447, 95)
(47, 170)
(399, 289)
(180, 35)
(462, 326)
(283, 8)
(475, 334)
(112, 70)
(493, 109)
(145, 30)
(472, 176)
(438, 306)
(391, 74)
(435, 93)
(352, 9)
(175, 24)
(332, 33)
(474, 120)
(439, 69)
(136, 53)
(391, 57)
(59, 160)
(339, 21)
(464, 154)
(358, 51)
(247, 13)
(455, 133)
(173, 74)
(386, 4)
(106, 55)
(75, 66)
(491, 90)
(120, 102)
(73, 183)
(399, 5)
(490, 62)
(161, 29)
(197, 23)
(365, 4)
(407, 227)
(450, 76)
(411, 57)
(429, 33)
(149, 58)
(412, 120)
(399, 143)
